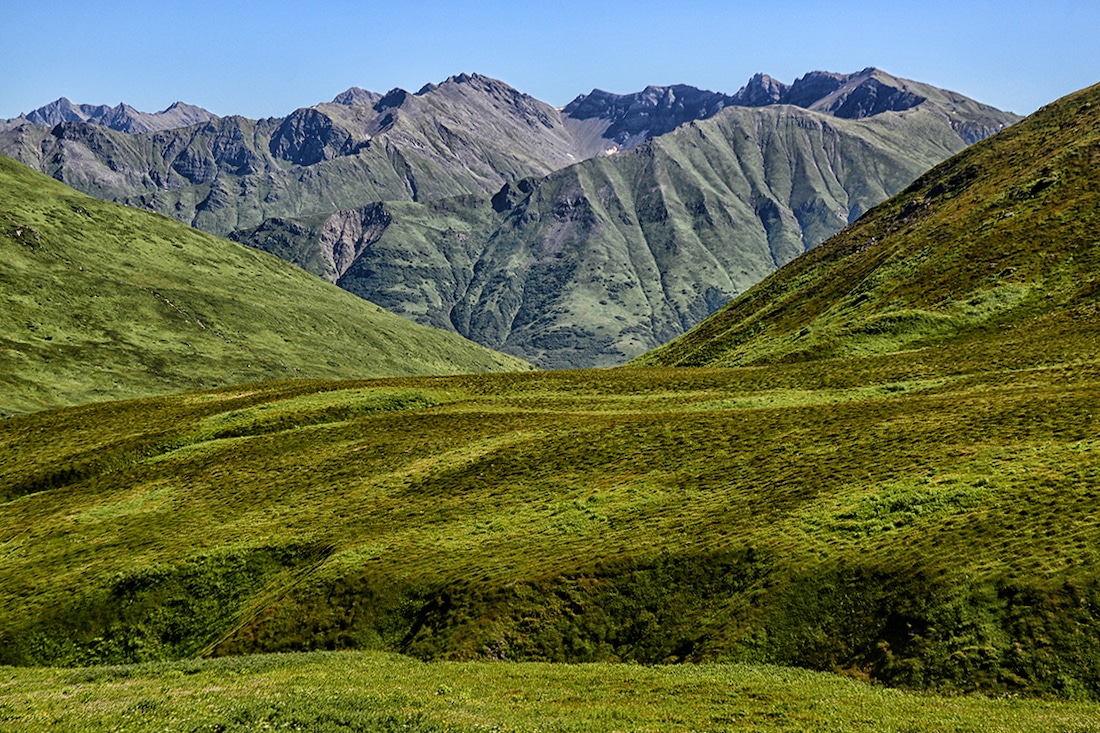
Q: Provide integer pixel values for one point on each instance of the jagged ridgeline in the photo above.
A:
(919, 512)
(574, 237)
(103, 302)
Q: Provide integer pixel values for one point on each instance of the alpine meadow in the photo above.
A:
(859, 496)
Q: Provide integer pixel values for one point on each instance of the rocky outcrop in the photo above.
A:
(633, 118)
(309, 136)
(356, 97)
(761, 91)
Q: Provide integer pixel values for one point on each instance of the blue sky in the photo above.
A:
(265, 59)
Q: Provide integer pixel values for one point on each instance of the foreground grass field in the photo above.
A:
(927, 521)
(351, 691)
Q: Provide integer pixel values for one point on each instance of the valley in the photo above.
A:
(858, 496)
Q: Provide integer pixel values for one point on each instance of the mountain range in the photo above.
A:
(580, 236)
(121, 117)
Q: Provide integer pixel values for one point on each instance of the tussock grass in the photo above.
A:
(898, 519)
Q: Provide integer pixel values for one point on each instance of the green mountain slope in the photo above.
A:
(993, 250)
(597, 263)
(103, 302)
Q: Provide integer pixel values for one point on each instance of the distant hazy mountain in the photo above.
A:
(123, 117)
(871, 92)
(469, 134)
(603, 122)
(693, 196)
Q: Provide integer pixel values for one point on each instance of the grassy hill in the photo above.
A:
(106, 302)
(994, 251)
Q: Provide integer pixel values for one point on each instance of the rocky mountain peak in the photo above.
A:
(760, 91)
(655, 110)
(812, 87)
(475, 80)
(472, 82)
(852, 96)
(391, 99)
(356, 97)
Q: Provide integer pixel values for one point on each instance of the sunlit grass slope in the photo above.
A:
(101, 301)
(357, 692)
(999, 244)
(925, 521)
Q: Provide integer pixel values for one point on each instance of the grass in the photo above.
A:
(378, 692)
(925, 521)
(106, 302)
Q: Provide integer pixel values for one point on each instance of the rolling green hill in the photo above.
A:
(995, 251)
(896, 519)
(105, 302)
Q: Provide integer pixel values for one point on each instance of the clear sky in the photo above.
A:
(265, 59)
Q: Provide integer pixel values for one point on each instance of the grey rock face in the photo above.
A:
(309, 136)
(356, 97)
(123, 117)
(634, 118)
(760, 91)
